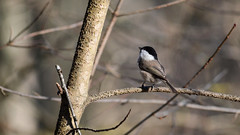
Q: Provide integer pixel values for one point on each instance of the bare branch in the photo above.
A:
(50, 30)
(31, 46)
(187, 91)
(211, 58)
(142, 101)
(102, 130)
(152, 8)
(151, 114)
(214, 10)
(117, 92)
(59, 70)
(106, 36)
(179, 104)
(28, 95)
(29, 25)
(218, 77)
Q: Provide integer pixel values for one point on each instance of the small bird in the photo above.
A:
(150, 68)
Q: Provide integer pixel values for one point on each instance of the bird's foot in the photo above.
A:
(152, 87)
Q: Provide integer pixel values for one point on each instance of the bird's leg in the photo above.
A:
(152, 87)
(143, 84)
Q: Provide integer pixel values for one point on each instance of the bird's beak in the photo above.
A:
(139, 48)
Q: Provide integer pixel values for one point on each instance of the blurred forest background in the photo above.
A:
(184, 35)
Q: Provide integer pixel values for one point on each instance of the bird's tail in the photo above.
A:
(170, 86)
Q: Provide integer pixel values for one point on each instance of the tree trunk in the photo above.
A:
(80, 73)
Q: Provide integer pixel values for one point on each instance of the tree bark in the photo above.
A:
(78, 81)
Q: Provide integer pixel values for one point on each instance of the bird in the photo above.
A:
(150, 67)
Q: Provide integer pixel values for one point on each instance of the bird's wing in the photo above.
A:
(155, 68)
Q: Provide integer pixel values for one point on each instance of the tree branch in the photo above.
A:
(117, 92)
(141, 101)
(179, 104)
(50, 30)
(29, 25)
(212, 56)
(102, 130)
(187, 91)
(28, 95)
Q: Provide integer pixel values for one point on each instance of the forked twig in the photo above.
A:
(102, 130)
(29, 25)
(50, 30)
(194, 76)
(59, 70)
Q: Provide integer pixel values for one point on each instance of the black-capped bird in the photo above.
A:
(150, 68)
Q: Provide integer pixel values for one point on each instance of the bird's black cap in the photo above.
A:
(150, 50)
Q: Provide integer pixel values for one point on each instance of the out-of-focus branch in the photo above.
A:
(29, 25)
(41, 32)
(106, 36)
(110, 93)
(140, 101)
(212, 56)
(28, 95)
(214, 10)
(11, 40)
(50, 30)
(179, 104)
(152, 8)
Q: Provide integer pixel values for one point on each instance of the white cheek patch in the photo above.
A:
(146, 56)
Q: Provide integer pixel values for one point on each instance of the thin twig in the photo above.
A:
(215, 79)
(106, 36)
(102, 130)
(152, 8)
(28, 95)
(194, 76)
(32, 46)
(110, 9)
(211, 58)
(59, 70)
(41, 32)
(29, 25)
(50, 30)
(150, 115)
